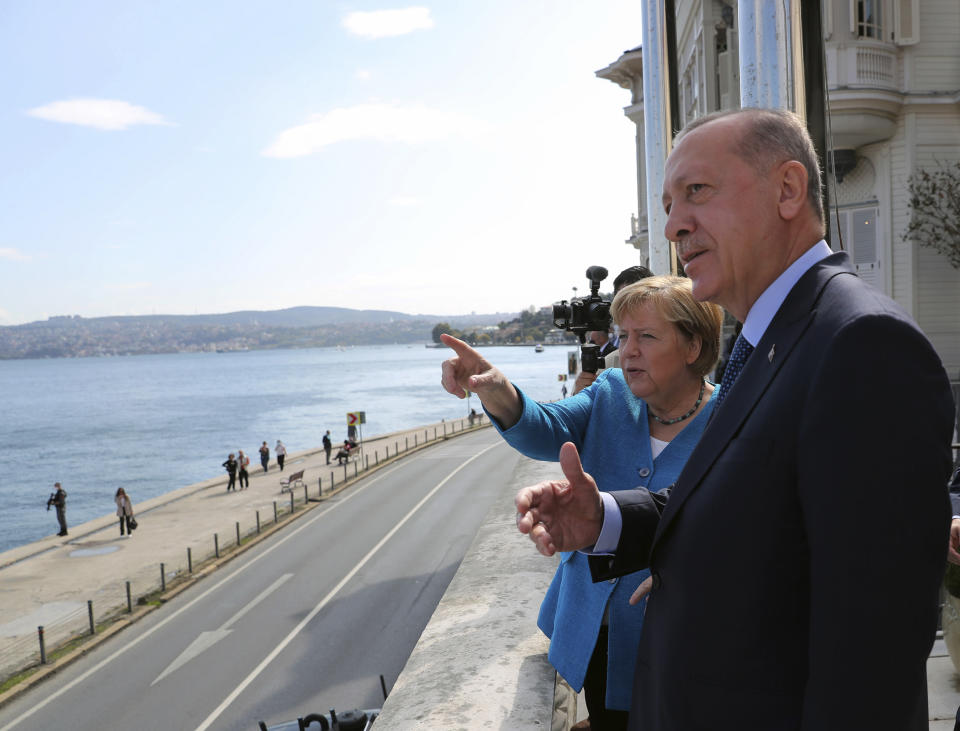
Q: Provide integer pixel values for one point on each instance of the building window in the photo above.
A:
(870, 19)
(690, 85)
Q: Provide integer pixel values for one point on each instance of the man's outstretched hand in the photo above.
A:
(562, 515)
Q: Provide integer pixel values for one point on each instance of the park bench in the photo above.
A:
(295, 479)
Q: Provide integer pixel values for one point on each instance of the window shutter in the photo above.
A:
(906, 22)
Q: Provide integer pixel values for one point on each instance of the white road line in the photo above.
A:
(333, 592)
(133, 643)
(207, 639)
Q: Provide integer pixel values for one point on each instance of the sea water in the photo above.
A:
(155, 423)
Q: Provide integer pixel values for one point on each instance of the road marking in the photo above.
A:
(333, 592)
(133, 643)
(206, 640)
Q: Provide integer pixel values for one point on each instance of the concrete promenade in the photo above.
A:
(49, 582)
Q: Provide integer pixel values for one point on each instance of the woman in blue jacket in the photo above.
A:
(634, 426)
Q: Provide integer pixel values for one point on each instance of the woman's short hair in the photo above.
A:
(673, 298)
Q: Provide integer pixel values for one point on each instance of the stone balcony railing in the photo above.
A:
(862, 64)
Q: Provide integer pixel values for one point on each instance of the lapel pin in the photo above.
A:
(773, 350)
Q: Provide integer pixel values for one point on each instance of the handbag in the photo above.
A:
(132, 523)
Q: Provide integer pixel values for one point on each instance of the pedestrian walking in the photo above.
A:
(125, 512)
(243, 461)
(264, 455)
(327, 445)
(231, 467)
(58, 499)
(281, 452)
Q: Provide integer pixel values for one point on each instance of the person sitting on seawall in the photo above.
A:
(609, 351)
(124, 511)
(636, 425)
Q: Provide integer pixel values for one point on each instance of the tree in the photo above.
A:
(441, 328)
(935, 210)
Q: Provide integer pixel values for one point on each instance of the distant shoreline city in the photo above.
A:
(300, 327)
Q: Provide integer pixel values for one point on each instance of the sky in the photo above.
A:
(185, 157)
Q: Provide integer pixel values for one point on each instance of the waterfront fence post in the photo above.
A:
(163, 578)
(444, 430)
(189, 560)
(320, 485)
(216, 545)
(258, 522)
(376, 457)
(366, 461)
(332, 481)
(93, 629)
(406, 444)
(43, 647)
(238, 533)
(306, 497)
(291, 502)
(354, 469)
(344, 471)
(387, 447)
(274, 511)
(129, 600)
(414, 441)
(434, 433)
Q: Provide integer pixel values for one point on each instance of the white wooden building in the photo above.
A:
(893, 79)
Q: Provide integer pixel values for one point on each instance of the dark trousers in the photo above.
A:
(264, 461)
(595, 690)
(62, 519)
(232, 484)
(125, 521)
(244, 479)
(328, 450)
(280, 458)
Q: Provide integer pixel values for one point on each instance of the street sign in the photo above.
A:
(353, 418)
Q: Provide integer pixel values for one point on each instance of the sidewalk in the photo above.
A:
(50, 581)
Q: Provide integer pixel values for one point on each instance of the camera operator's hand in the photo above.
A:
(583, 380)
(471, 371)
(562, 515)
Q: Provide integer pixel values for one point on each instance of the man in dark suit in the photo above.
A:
(797, 560)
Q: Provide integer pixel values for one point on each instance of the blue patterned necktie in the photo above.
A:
(741, 351)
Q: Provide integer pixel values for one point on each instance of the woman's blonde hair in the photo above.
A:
(673, 298)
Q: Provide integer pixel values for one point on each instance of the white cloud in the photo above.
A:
(382, 122)
(107, 114)
(362, 75)
(13, 255)
(388, 23)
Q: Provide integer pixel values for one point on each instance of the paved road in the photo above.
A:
(306, 621)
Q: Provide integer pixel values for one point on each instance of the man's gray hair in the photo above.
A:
(772, 137)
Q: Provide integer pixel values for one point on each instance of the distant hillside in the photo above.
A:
(296, 327)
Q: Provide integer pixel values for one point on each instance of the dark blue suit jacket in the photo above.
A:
(798, 557)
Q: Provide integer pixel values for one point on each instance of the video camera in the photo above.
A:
(583, 314)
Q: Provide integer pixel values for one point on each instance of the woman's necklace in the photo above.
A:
(668, 422)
